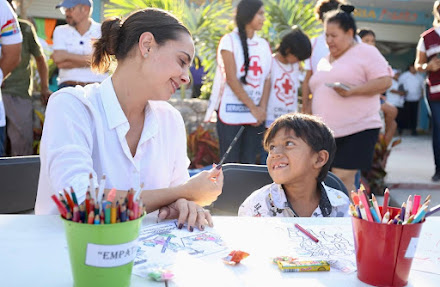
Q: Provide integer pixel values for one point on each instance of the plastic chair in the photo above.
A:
(19, 183)
(240, 180)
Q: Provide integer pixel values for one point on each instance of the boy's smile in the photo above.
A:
(290, 158)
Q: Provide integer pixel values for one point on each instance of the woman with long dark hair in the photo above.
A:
(241, 85)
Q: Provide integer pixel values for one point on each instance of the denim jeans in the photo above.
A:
(435, 114)
(247, 146)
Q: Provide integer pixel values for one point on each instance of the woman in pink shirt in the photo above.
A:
(346, 89)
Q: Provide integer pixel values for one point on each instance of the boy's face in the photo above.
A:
(290, 158)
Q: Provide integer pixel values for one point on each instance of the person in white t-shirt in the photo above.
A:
(72, 44)
(413, 84)
(124, 129)
(10, 55)
(283, 99)
(241, 85)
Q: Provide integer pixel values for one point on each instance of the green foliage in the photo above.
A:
(207, 24)
(211, 20)
(281, 15)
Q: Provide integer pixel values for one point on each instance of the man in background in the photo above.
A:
(17, 92)
(73, 44)
(10, 51)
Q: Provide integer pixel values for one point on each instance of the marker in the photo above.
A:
(240, 131)
(385, 201)
(306, 233)
(416, 204)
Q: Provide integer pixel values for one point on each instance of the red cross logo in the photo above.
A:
(287, 86)
(284, 90)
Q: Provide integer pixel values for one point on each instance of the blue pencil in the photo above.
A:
(374, 214)
(165, 245)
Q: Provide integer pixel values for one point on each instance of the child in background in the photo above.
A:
(301, 149)
(283, 99)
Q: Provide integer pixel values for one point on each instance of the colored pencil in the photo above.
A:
(306, 232)
(385, 201)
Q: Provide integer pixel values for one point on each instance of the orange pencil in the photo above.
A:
(355, 197)
(385, 201)
(91, 217)
(69, 199)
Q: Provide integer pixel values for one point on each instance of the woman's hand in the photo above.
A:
(186, 212)
(343, 92)
(205, 187)
(260, 114)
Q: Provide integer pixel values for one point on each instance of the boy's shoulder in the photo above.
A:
(335, 196)
(263, 201)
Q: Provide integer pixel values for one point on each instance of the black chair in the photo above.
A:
(240, 180)
(19, 183)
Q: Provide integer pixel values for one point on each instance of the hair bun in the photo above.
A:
(347, 8)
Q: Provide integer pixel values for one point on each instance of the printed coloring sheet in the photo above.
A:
(336, 245)
(160, 243)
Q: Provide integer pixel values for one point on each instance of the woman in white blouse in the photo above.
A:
(124, 128)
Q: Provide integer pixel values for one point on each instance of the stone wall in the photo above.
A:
(193, 111)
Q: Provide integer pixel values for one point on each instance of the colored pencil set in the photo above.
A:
(412, 211)
(98, 208)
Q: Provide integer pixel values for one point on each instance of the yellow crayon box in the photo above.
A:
(304, 266)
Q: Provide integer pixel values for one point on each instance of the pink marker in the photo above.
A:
(416, 204)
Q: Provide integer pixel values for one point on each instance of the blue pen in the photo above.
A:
(374, 214)
(420, 215)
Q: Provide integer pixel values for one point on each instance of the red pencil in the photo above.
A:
(61, 208)
(306, 233)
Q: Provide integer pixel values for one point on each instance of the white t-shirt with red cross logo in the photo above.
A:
(230, 109)
(284, 86)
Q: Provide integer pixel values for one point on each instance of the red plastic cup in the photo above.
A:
(381, 250)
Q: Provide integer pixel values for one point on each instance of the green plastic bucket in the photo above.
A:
(102, 255)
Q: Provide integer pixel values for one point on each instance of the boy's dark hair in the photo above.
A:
(366, 31)
(296, 43)
(324, 6)
(311, 130)
(343, 17)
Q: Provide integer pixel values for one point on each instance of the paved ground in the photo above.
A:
(410, 168)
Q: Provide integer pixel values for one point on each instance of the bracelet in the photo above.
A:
(425, 67)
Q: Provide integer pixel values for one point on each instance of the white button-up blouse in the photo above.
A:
(84, 132)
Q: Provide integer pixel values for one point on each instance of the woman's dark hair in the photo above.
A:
(343, 17)
(311, 130)
(365, 32)
(246, 11)
(118, 38)
(296, 43)
(324, 6)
